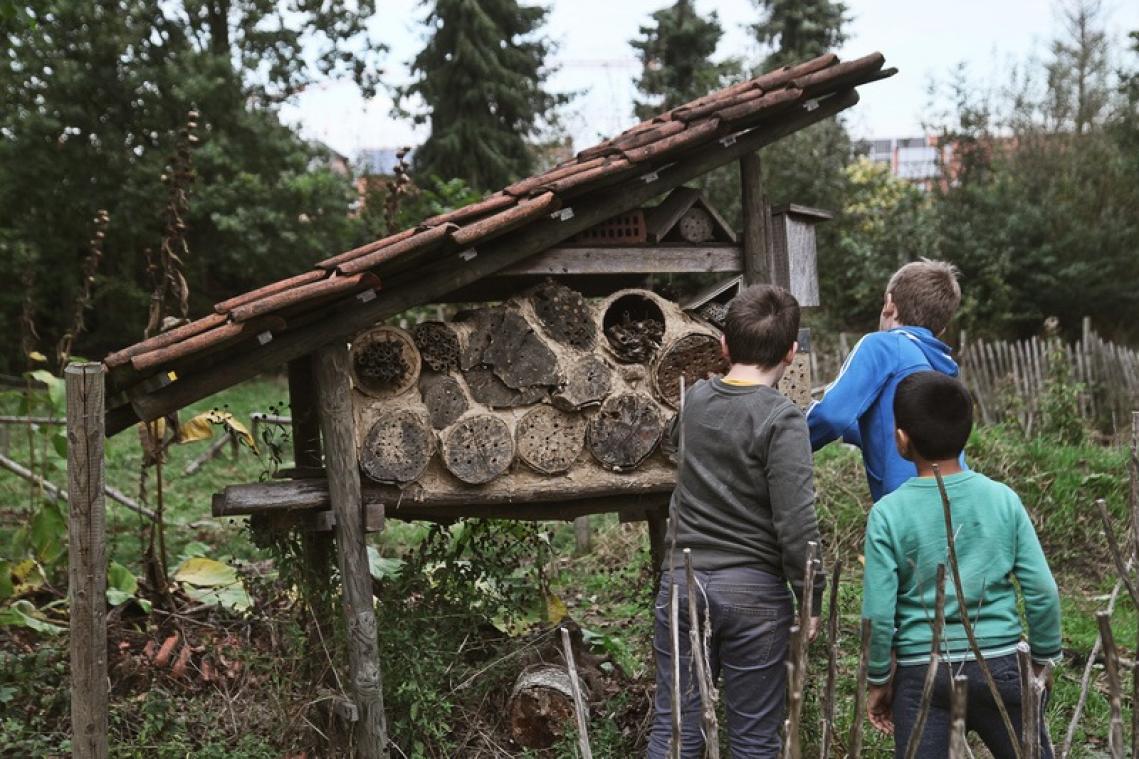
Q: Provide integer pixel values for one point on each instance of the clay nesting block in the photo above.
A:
(478, 449)
(695, 356)
(438, 345)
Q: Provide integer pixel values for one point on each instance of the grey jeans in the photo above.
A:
(751, 614)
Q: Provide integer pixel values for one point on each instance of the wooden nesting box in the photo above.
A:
(794, 263)
(546, 391)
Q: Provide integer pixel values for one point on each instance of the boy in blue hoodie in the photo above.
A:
(858, 406)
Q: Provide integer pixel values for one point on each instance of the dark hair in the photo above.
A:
(936, 411)
(761, 326)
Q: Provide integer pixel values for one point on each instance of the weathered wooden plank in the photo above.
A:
(338, 430)
(637, 259)
(451, 272)
(756, 237)
(87, 560)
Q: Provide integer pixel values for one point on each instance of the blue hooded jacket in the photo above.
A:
(859, 405)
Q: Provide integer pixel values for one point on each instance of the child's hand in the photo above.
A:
(879, 700)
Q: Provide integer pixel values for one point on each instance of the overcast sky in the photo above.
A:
(923, 39)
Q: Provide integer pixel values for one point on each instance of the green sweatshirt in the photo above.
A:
(995, 541)
(745, 492)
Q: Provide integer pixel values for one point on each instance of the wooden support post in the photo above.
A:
(658, 529)
(582, 535)
(756, 216)
(87, 560)
(337, 427)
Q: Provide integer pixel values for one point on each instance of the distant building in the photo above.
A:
(326, 157)
(379, 161)
(916, 159)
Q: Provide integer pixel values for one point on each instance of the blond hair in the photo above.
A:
(926, 294)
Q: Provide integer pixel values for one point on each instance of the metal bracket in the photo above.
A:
(264, 338)
(468, 254)
(728, 141)
(652, 176)
(811, 105)
(564, 214)
(366, 296)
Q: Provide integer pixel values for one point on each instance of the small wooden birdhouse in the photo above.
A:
(684, 216)
(794, 263)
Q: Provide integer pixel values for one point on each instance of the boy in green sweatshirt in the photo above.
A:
(995, 542)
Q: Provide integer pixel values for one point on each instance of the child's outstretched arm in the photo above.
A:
(1041, 596)
(861, 379)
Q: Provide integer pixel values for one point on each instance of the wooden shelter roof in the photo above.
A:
(283, 320)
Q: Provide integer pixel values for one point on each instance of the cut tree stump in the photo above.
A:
(695, 356)
(385, 362)
(588, 381)
(564, 315)
(550, 440)
(520, 356)
(438, 345)
(397, 448)
(625, 431)
(541, 706)
(486, 388)
(443, 396)
(478, 449)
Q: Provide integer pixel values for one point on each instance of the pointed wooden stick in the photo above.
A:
(931, 671)
(855, 742)
(1116, 553)
(958, 745)
(1029, 706)
(674, 641)
(1114, 686)
(579, 710)
(832, 662)
(963, 612)
(798, 670)
(703, 676)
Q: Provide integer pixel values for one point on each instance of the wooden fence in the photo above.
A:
(1009, 378)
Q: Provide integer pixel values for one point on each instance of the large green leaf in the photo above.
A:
(23, 614)
(56, 389)
(122, 585)
(205, 573)
(47, 533)
(382, 567)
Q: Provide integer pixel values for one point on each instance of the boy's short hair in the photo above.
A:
(926, 294)
(761, 326)
(936, 411)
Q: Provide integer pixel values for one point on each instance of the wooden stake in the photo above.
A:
(579, 710)
(674, 642)
(958, 705)
(1135, 558)
(87, 560)
(1029, 705)
(832, 662)
(344, 488)
(582, 536)
(1116, 553)
(800, 643)
(855, 742)
(934, 663)
(963, 611)
(756, 242)
(703, 675)
(1114, 686)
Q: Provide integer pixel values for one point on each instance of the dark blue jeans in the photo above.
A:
(751, 614)
(981, 717)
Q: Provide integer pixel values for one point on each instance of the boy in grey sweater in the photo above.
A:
(744, 504)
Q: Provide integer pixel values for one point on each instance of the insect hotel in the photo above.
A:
(548, 402)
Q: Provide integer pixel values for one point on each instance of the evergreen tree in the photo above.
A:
(799, 29)
(481, 78)
(675, 51)
(94, 95)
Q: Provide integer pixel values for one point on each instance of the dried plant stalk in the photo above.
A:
(963, 609)
(700, 665)
(959, 703)
(832, 662)
(934, 663)
(578, 701)
(674, 642)
(1029, 706)
(855, 742)
(83, 299)
(1114, 686)
(797, 671)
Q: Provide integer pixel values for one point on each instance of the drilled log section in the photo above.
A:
(634, 326)
(478, 449)
(588, 381)
(520, 357)
(438, 345)
(564, 315)
(486, 388)
(443, 397)
(397, 448)
(385, 362)
(696, 226)
(541, 706)
(695, 356)
(625, 431)
(796, 382)
(550, 440)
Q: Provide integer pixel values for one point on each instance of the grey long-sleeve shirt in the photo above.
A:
(745, 493)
